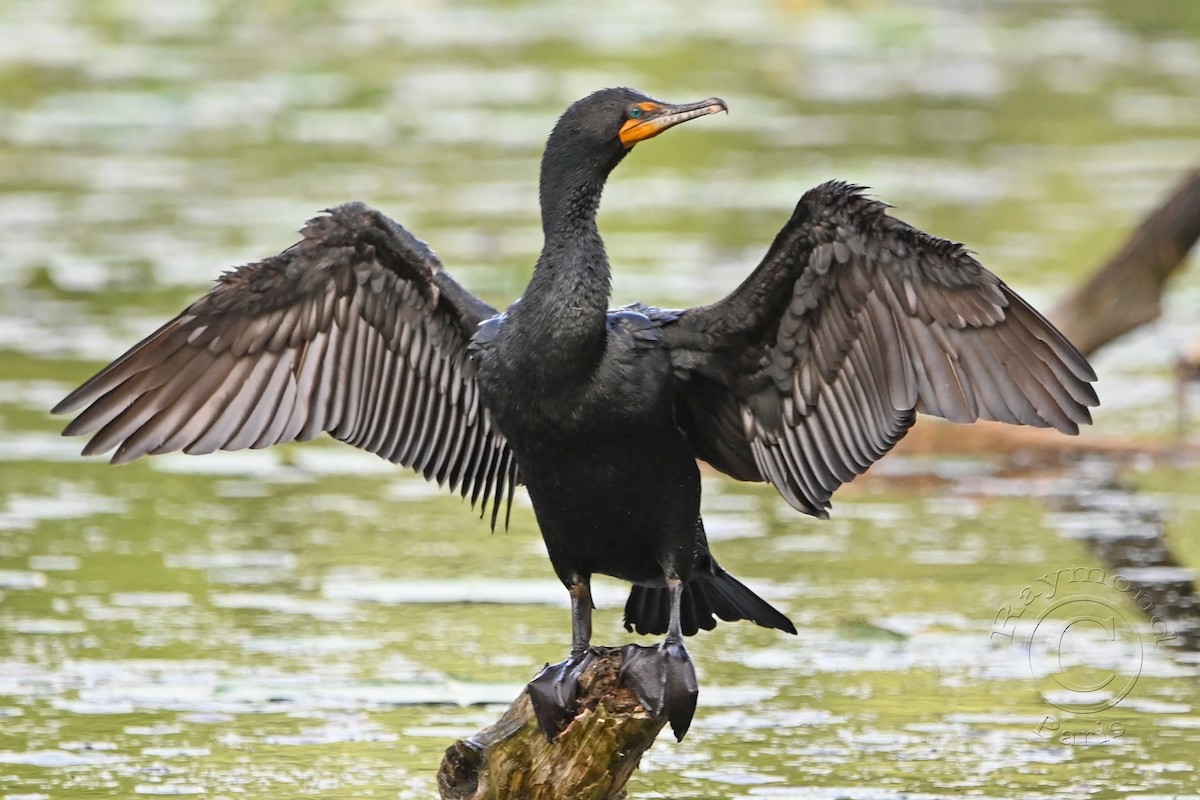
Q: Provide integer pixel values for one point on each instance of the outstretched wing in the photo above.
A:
(816, 365)
(355, 330)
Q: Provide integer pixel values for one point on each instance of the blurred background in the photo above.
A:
(293, 621)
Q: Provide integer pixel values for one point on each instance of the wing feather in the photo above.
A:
(357, 331)
(218, 424)
(853, 322)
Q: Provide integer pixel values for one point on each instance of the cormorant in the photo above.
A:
(803, 376)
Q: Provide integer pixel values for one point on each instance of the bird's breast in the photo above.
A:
(536, 400)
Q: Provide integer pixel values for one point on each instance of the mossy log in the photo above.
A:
(592, 759)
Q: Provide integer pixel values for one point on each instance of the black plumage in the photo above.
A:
(803, 376)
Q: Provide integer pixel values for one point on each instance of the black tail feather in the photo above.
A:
(704, 597)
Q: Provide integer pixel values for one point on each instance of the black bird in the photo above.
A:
(803, 376)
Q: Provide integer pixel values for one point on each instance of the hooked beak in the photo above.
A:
(658, 117)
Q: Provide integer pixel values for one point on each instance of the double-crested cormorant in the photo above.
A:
(803, 376)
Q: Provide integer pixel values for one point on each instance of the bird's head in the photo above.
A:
(611, 121)
(592, 137)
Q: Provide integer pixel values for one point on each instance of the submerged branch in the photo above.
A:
(1126, 292)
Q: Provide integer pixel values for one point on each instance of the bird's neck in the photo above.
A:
(566, 303)
(572, 272)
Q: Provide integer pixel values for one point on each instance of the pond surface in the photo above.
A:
(307, 621)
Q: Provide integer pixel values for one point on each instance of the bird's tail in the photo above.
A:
(648, 608)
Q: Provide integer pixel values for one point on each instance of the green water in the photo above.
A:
(293, 622)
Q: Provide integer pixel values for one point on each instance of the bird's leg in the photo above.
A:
(662, 677)
(553, 691)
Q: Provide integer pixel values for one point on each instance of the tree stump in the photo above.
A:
(592, 759)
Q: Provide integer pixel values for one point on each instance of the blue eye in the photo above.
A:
(635, 112)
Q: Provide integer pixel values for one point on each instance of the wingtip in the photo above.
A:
(93, 448)
(126, 454)
(75, 400)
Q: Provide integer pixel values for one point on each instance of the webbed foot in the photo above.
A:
(664, 681)
(553, 693)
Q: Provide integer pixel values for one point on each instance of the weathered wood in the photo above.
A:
(1187, 370)
(592, 759)
(1125, 293)
(1029, 446)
